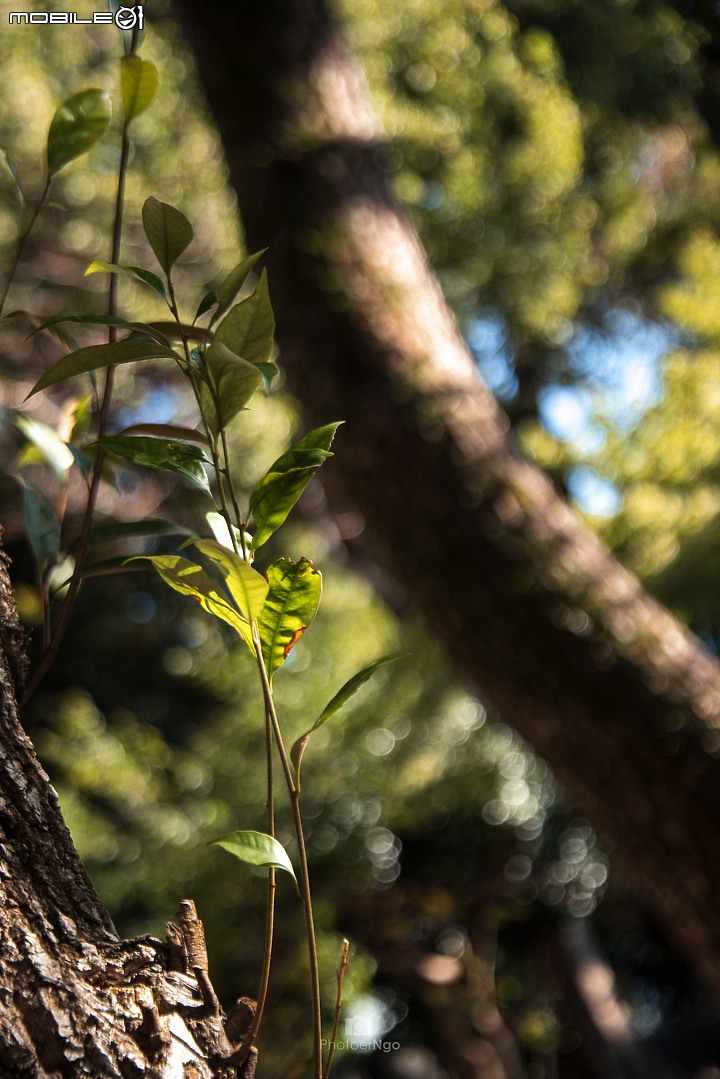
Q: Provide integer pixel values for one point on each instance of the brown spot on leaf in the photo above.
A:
(293, 640)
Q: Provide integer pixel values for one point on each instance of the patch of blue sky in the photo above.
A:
(161, 405)
(486, 335)
(567, 412)
(592, 492)
(619, 373)
(623, 362)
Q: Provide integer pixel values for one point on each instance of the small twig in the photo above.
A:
(49, 653)
(177, 955)
(207, 992)
(22, 240)
(193, 933)
(338, 1006)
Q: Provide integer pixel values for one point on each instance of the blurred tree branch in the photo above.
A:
(553, 633)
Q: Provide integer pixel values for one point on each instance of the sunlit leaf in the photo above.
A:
(51, 446)
(257, 848)
(292, 602)
(341, 698)
(139, 84)
(321, 438)
(76, 126)
(81, 410)
(181, 458)
(168, 231)
(249, 327)
(42, 528)
(222, 533)
(95, 357)
(234, 281)
(246, 586)
(191, 580)
(279, 489)
(138, 272)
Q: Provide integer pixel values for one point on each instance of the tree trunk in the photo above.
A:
(556, 637)
(75, 1000)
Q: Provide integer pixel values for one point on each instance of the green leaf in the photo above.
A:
(321, 438)
(353, 684)
(83, 462)
(269, 372)
(209, 300)
(279, 489)
(246, 586)
(191, 580)
(248, 329)
(51, 446)
(95, 357)
(139, 84)
(166, 430)
(235, 381)
(82, 414)
(118, 530)
(173, 332)
(104, 320)
(109, 567)
(138, 272)
(43, 528)
(76, 126)
(234, 281)
(257, 848)
(292, 602)
(168, 231)
(222, 533)
(181, 458)
(341, 698)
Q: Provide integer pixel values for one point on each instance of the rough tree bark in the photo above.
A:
(553, 633)
(75, 1000)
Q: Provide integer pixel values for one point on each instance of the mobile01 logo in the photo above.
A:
(125, 18)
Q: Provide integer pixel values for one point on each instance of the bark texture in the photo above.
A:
(75, 1000)
(552, 632)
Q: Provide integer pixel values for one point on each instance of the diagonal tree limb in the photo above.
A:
(544, 623)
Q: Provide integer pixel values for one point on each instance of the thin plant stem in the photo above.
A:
(219, 467)
(50, 652)
(338, 1006)
(304, 872)
(238, 515)
(22, 240)
(270, 913)
(224, 479)
(226, 491)
(309, 921)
